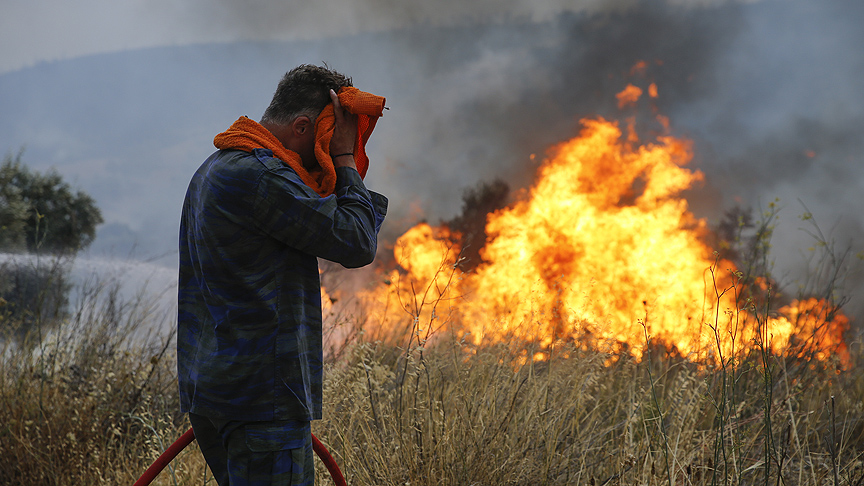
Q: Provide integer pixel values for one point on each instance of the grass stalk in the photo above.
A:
(660, 424)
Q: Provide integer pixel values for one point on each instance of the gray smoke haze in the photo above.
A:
(53, 30)
(769, 92)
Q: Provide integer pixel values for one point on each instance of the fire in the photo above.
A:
(423, 251)
(602, 250)
(819, 328)
(590, 248)
(629, 96)
(639, 68)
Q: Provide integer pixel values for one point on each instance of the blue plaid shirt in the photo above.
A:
(249, 310)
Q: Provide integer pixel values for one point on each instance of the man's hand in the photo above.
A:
(344, 135)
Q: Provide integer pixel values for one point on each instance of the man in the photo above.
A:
(257, 214)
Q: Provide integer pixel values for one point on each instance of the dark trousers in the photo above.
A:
(277, 453)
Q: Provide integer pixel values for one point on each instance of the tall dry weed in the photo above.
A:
(89, 397)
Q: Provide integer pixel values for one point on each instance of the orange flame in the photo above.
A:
(603, 251)
(639, 68)
(819, 329)
(629, 96)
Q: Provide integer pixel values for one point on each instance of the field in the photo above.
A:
(89, 398)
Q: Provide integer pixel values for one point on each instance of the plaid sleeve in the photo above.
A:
(341, 228)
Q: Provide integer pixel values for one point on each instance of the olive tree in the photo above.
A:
(41, 212)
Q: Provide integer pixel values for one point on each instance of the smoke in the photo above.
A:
(490, 96)
(268, 20)
(769, 93)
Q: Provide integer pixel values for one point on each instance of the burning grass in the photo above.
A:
(426, 403)
(598, 341)
(92, 405)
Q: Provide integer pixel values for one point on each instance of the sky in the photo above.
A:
(123, 98)
(50, 30)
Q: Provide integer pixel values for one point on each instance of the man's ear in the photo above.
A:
(300, 125)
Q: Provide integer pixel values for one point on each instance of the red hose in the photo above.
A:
(328, 461)
(187, 438)
(166, 457)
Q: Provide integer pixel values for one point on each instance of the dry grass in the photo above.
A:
(94, 402)
(462, 415)
(86, 397)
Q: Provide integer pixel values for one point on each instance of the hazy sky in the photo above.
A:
(45, 30)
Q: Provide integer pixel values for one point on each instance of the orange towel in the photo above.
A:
(367, 107)
(246, 134)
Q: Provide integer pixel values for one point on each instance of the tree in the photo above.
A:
(13, 210)
(39, 212)
(42, 212)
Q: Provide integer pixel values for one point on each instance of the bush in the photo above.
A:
(34, 293)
